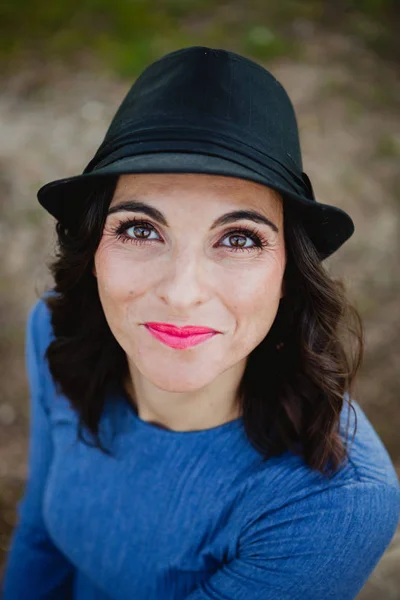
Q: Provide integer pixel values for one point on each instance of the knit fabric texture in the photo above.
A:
(193, 515)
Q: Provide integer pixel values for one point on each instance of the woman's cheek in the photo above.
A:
(122, 276)
(129, 278)
(252, 286)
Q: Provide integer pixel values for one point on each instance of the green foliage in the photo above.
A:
(128, 34)
(121, 31)
(388, 147)
(374, 7)
(261, 42)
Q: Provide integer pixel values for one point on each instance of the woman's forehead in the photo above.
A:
(211, 190)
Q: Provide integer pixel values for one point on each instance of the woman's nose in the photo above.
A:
(184, 281)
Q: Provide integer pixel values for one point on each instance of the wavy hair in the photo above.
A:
(295, 382)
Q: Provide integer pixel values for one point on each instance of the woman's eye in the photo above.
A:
(136, 232)
(237, 240)
(139, 232)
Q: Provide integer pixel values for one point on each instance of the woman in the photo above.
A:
(197, 346)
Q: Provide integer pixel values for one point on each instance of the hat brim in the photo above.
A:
(327, 226)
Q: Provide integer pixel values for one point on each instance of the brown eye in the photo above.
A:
(241, 239)
(237, 240)
(140, 231)
(136, 232)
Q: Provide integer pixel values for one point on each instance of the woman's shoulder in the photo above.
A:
(367, 471)
(39, 334)
(39, 324)
(286, 493)
(367, 460)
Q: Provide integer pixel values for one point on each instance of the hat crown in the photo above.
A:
(211, 93)
(209, 111)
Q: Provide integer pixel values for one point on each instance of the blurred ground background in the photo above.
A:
(66, 67)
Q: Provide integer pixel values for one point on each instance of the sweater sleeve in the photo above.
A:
(35, 568)
(321, 547)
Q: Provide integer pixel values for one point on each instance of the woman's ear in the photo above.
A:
(94, 270)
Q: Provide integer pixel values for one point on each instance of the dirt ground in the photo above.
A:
(52, 119)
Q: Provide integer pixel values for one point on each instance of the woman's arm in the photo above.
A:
(321, 547)
(35, 568)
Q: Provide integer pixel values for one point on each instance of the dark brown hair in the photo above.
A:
(295, 383)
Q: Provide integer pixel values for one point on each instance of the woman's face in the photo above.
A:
(190, 249)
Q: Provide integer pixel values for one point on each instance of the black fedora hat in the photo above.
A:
(206, 110)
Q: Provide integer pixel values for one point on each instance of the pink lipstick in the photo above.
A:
(179, 337)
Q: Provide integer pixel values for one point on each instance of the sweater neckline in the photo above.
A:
(152, 429)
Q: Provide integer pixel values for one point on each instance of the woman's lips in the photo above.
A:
(179, 337)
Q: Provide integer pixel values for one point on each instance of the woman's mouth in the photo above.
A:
(179, 337)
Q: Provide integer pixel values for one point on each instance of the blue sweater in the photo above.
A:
(191, 515)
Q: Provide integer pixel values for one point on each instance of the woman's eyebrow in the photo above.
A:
(250, 215)
(133, 206)
(154, 213)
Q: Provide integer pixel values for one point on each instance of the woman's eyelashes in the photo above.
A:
(140, 232)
